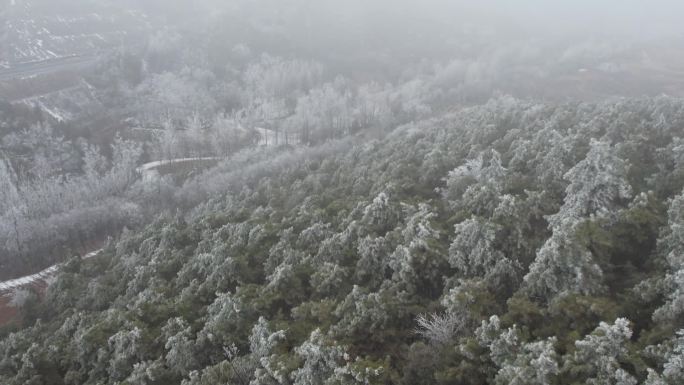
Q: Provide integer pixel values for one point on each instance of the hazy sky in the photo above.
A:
(638, 18)
(633, 17)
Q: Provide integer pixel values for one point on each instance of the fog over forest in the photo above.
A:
(329, 192)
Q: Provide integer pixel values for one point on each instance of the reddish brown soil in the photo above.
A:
(7, 312)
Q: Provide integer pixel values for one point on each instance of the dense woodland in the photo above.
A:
(256, 73)
(68, 158)
(440, 199)
(509, 243)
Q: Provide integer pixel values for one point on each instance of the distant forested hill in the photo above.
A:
(510, 243)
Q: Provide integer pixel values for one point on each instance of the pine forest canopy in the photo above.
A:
(305, 192)
(512, 242)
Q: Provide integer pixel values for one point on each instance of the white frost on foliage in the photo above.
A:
(519, 362)
(673, 245)
(474, 186)
(321, 358)
(597, 184)
(181, 353)
(601, 352)
(380, 214)
(673, 367)
(418, 230)
(472, 251)
(563, 266)
(262, 342)
(222, 314)
(124, 346)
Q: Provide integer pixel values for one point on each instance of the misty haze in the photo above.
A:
(334, 192)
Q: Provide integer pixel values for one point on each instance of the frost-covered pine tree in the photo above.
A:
(674, 367)
(313, 235)
(563, 266)
(11, 210)
(320, 358)
(147, 372)
(418, 231)
(125, 347)
(180, 347)
(222, 317)
(403, 263)
(518, 362)
(472, 252)
(534, 363)
(330, 278)
(673, 363)
(597, 357)
(672, 245)
(380, 215)
(373, 262)
(415, 263)
(262, 343)
(325, 362)
(598, 184)
(476, 186)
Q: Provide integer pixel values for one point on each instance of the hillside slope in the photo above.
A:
(507, 243)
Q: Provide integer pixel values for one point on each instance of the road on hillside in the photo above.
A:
(25, 70)
(143, 171)
(8, 287)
